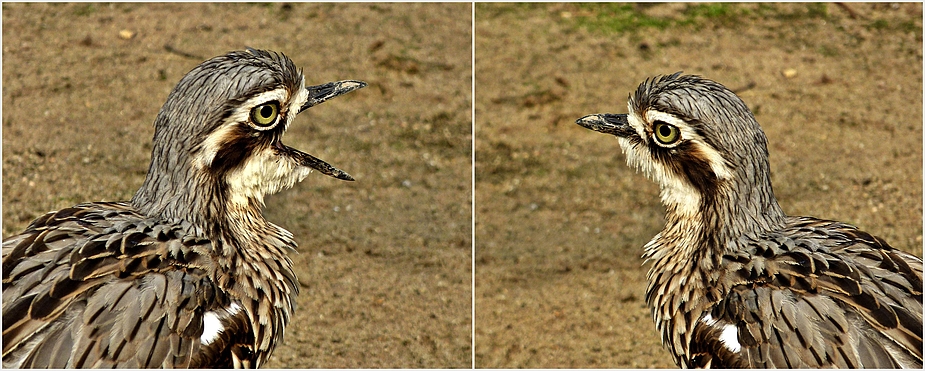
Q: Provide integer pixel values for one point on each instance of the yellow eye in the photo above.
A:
(666, 133)
(265, 114)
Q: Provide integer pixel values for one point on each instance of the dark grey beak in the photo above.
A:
(319, 93)
(313, 162)
(607, 123)
(316, 95)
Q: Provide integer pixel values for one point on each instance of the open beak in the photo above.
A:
(607, 123)
(316, 95)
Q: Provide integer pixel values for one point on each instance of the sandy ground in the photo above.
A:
(385, 262)
(561, 219)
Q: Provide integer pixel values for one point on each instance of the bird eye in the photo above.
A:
(666, 133)
(265, 114)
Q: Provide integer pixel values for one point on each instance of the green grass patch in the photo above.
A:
(623, 18)
(618, 18)
(85, 10)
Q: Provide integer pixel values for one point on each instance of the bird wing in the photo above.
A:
(98, 285)
(817, 294)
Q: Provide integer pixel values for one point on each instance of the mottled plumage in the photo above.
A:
(734, 281)
(188, 274)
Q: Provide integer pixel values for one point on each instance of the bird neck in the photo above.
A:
(708, 221)
(244, 235)
(250, 253)
(176, 190)
(686, 277)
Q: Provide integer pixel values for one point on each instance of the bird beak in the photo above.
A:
(319, 93)
(305, 159)
(316, 95)
(607, 123)
(313, 162)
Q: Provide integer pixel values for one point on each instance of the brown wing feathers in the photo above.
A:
(122, 293)
(827, 294)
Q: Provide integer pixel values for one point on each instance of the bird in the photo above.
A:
(735, 282)
(188, 273)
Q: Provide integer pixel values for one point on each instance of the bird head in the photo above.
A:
(218, 137)
(697, 140)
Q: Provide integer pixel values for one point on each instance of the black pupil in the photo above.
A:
(664, 130)
(266, 111)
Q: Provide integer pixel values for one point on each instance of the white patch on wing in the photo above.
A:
(212, 322)
(708, 319)
(211, 328)
(730, 338)
(729, 334)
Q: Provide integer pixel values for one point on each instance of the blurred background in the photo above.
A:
(384, 262)
(560, 218)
